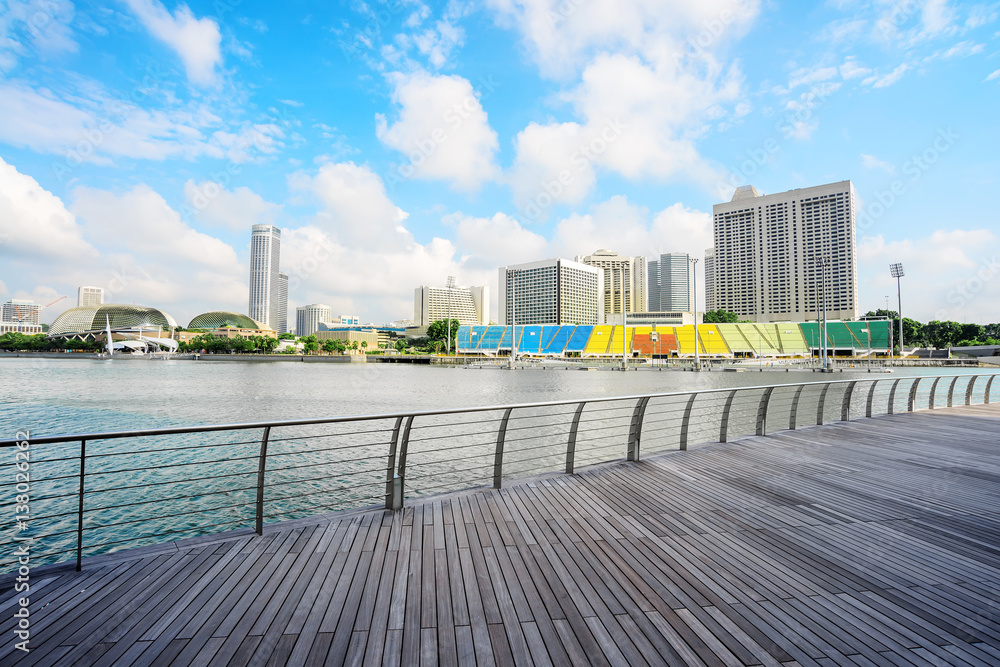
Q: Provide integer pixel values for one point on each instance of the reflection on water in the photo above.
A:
(157, 489)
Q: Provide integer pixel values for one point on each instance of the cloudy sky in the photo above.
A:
(399, 142)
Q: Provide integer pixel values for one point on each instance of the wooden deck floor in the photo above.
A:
(874, 542)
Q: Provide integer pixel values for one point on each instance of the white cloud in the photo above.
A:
(42, 24)
(357, 212)
(442, 130)
(852, 70)
(872, 162)
(196, 41)
(877, 81)
(994, 75)
(806, 76)
(562, 37)
(237, 209)
(35, 226)
(950, 274)
(141, 221)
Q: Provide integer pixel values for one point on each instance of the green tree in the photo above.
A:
(364, 346)
(329, 346)
(400, 345)
(942, 334)
(286, 336)
(438, 330)
(973, 332)
(720, 316)
(310, 343)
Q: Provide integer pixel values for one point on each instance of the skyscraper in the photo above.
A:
(624, 281)
(89, 296)
(551, 291)
(279, 315)
(710, 279)
(307, 318)
(670, 282)
(21, 310)
(468, 305)
(770, 251)
(265, 255)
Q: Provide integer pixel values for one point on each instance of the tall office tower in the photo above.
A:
(710, 279)
(624, 280)
(770, 251)
(552, 291)
(265, 255)
(279, 317)
(89, 296)
(468, 305)
(21, 310)
(670, 280)
(307, 318)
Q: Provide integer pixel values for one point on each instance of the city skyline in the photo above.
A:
(398, 144)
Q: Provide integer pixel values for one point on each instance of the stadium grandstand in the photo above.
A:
(743, 340)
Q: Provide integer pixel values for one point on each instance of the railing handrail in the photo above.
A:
(208, 428)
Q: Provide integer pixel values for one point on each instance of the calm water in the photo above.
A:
(148, 490)
(74, 396)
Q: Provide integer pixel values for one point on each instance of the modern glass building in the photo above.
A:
(551, 291)
(84, 320)
(223, 318)
(671, 282)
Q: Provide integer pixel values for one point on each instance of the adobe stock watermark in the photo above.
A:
(583, 157)
(371, 34)
(786, 127)
(118, 114)
(969, 288)
(451, 120)
(913, 168)
(22, 515)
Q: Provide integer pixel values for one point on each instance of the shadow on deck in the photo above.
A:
(869, 542)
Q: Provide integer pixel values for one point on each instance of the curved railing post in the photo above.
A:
(792, 415)
(635, 428)
(892, 394)
(762, 411)
(79, 515)
(822, 404)
(390, 468)
(989, 383)
(951, 391)
(968, 391)
(399, 479)
(913, 395)
(686, 422)
(845, 407)
(571, 444)
(724, 425)
(871, 399)
(498, 457)
(930, 401)
(261, 466)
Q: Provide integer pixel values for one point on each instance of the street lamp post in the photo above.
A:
(868, 331)
(694, 289)
(513, 316)
(897, 272)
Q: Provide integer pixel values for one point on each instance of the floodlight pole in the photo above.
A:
(449, 285)
(694, 288)
(897, 272)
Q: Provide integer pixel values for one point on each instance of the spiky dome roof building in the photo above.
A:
(218, 319)
(83, 319)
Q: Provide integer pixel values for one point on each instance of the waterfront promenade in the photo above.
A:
(875, 541)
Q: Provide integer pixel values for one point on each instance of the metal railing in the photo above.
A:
(100, 492)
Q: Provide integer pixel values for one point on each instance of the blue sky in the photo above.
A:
(399, 142)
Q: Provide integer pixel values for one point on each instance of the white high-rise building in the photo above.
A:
(265, 257)
(279, 316)
(468, 305)
(21, 310)
(307, 318)
(710, 279)
(770, 249)
(671, 282)
(552, 291)
(624, 281)
(89, 296)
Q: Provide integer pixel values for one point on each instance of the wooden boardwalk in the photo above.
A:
(874, 542)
